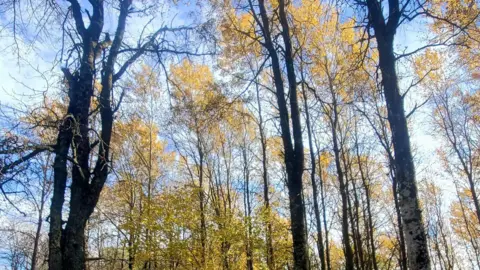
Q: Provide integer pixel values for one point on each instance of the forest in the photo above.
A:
(239, 134)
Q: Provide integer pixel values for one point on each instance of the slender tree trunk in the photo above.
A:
(294, 156)
(201, 195)
(357, 235)
(369, 221)
(39, 221)
(266, 196)
(356, 258)
(353, 211)
(248, 209)
(220, 207)
(474, 196)
(37, 239)
(131, 252)
(349, 256)
(131, 230)
(443, 235)
(344, 196)
(225, 247)
(324, 211)
(148, 207)
(316, 208)
(472, 238)
(320, 247)
(451, 134)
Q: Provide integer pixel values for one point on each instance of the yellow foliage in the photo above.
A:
(428, 64)
(463, 217)
(238, 35)
(47, 118)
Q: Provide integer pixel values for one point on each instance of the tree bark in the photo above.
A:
(349, 265)
(59, 184)
(41, 207)
(369, 221)
(248, 208)
(316, 208)
(349, 256)
(67, 246)
(324, 211)
(296, 158)
(293, 148)
(201, 195)
(415, 237)
(266, 196)
(401, 237)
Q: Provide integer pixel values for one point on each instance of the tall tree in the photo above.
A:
(293, 146)
(385, 29)
(67, 248)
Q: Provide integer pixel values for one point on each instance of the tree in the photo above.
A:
(67, 244)
(455, 119)
(293, 145)
(438, 227)
(385, 29)
(331, 53)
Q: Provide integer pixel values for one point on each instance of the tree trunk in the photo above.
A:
(349, 260)
(266, 196)
(324, 211)
(74, 251)
(59, 184)
(356, 222)
(248, 209)
(316, 208)
(201, 195)
(414, 231)
(39, 221)
(353, 211)
(349, 265)
(415, 239)
(294, 156)
(37, 239)
(401, 237)
(356, 258)
(131, 252)
(67, 246)
(369, 220)
(294, 161)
